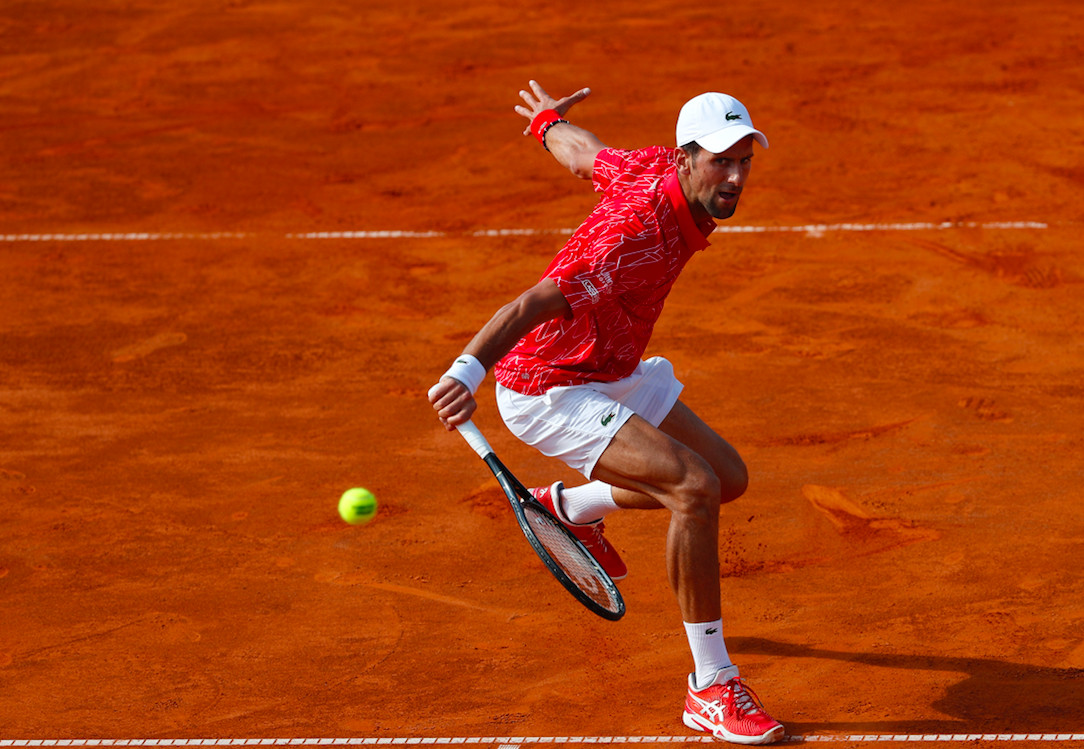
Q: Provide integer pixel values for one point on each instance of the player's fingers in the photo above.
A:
(566, 103)
(445, 394)
(529, 114)
(436, 392)
(461, 416)
(538, 90)
(530, 100)
(453, 405)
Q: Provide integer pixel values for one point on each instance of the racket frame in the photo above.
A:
(518, 496)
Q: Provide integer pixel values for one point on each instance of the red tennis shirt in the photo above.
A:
(615, 272)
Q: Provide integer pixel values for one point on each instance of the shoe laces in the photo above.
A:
(741, 697)
(596, 538)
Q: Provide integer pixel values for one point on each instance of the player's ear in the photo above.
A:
(684, 161)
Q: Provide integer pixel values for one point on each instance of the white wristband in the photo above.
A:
(467, 370)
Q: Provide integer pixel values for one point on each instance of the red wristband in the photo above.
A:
(542, 122)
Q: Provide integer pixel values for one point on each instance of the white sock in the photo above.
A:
(588, 503)
(709, 650)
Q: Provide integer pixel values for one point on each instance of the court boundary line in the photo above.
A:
(515, 742)
(812, 230)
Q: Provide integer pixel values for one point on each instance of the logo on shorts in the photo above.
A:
(607, 419)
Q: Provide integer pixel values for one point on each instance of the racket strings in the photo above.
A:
(583, 570)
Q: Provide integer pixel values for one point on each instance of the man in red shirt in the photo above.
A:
(567, 355)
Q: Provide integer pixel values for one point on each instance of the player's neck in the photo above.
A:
(696, 209)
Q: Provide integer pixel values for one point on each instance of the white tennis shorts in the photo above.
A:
(577, 423)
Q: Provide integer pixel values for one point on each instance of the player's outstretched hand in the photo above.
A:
(453, 402)
(537, 100)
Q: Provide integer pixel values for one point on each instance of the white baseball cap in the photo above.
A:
(716, 122)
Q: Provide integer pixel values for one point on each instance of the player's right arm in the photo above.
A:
(572, 146)
(453, 401)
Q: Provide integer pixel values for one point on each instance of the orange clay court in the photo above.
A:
(241, 238)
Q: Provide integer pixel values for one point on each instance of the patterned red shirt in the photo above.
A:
(615, 272)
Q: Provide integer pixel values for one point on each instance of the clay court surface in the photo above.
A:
(240, 240)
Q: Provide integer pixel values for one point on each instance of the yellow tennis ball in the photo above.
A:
(357, 506)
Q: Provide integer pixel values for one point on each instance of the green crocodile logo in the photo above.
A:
(607, 419)
(730, 116)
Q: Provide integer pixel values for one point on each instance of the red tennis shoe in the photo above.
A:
(730, 710)
(589, 534)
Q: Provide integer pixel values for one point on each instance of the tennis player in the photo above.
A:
(571, 381)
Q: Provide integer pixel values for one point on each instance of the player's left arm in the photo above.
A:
(573, 147)
(542, 302)
(454, 401)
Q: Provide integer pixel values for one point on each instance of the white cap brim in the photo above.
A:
(722, 140)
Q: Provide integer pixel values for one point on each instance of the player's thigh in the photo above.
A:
(664, 471)
(690, 430)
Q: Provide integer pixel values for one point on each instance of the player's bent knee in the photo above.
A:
(699, 496)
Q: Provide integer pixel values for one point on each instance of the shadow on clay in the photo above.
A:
(992, 697)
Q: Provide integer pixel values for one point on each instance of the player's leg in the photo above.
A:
(648, 465)
(705, 635)
(595, 500)
(682, 466)
(649, 468)
(689, 429)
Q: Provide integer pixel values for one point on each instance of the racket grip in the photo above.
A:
(474, 438)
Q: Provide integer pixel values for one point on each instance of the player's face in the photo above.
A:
(715, 180)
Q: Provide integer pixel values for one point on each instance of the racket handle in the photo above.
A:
(475, 439)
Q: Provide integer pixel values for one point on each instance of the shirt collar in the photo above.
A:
(694, 234)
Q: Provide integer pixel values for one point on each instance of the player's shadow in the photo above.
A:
(991, 697)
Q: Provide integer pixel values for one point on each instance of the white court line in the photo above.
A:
(515, 742)
(813, 230)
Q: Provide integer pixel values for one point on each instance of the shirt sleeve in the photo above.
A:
(617, 171)
(618, 261)
(610, 163)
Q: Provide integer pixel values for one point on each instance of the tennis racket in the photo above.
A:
(562, 552)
